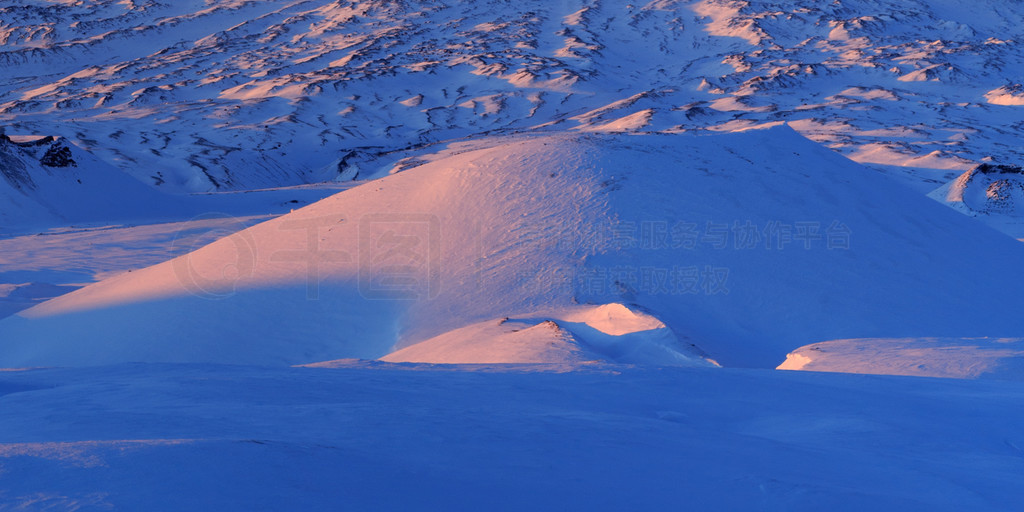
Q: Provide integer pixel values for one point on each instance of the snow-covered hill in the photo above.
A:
(992, 193)
(744, 246)
(47, 181)
(233, 94)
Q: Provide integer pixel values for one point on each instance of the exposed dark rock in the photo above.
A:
(999, 169)
(58, 156)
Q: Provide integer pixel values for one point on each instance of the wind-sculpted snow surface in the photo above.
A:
(637, 248)
(243, 94)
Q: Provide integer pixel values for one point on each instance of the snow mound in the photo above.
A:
(987, 189)
(610, 332)
(957, 358)
(626, 335)
(744, 246)
(1007, 95)
(617, 320)
(499, 341)
(394, 437)
(993, 193)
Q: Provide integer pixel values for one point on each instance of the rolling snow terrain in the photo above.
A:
(245, 94)
(407, 437)
(454, 255)
(746, 246)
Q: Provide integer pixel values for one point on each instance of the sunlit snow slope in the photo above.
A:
(744, 246)
(958, 358)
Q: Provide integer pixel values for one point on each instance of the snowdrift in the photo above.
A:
(957, 358)
(392, 438)
(575, 336)
(744, 246)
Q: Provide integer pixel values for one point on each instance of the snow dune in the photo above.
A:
(744, 246)
(575, 336)
(498, 342)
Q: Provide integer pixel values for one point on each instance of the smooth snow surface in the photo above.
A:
(994, 194)
(574, 336)
(746, 246)
(388, 437)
